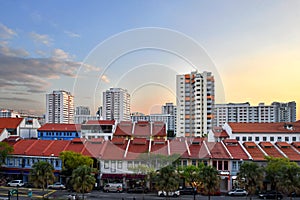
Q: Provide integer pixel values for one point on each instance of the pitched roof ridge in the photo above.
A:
(28, 148)
(226, 149)
(245, 150)
(187, 147)
(207, 149)
(126, 150)
(261, 149)
(69, 142)
(279, 150)
(49, 145)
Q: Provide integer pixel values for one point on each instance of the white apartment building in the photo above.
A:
(195, 103)
(60, 107)
(116, 104)
(243, 112)
(168, 119)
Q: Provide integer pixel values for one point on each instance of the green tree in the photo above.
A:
(71, 160)
(167, 179)
(5, 149)
(289, 177)
(82, 179)
(210, 179)
(190, 174)
(41, 174)
(251, 176)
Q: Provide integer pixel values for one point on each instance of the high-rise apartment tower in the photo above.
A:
(195, 103)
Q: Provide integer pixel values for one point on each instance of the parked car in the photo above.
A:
(270, 195)
(187, 190)
(113, 187)
(238, 192)
(15, 183)
(170, 194)
(139, 189)
(57, 185)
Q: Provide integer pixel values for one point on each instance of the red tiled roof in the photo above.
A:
(288, 151)
(142, 128)
(101, 122)
(159, 147)
(138, 148)
(197, 151)
(222, 134)
(113, 152)
(270, 149)
(117, 140)
(217, 150)
(235, 149)
(296, 144)
(139, 141)
(60, 127)
(124, 128)
(278, 127)
(177, 146)
(159, 129)
(10, 123)
(254, 151)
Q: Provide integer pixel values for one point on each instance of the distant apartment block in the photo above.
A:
(243, 112)
(60, 107)
(285, 112)
(8, 113)
(195, 102)
(82, 110)
(116, 104)
(168, 119)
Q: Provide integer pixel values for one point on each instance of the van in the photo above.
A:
(15, 183)
(113, 187)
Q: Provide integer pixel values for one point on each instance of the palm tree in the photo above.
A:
(82, 179)
(41, 174)
(251, 176)
(167, 179)
(190, 174)
(210, 179)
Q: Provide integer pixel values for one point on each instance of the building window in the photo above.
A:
(113, 166)
(220, 165)
(184, 163)
(294, 139)
(120, 164)
(234, 167)
(244, 139)
(215, 164)
(279, 139)
(106, 164)
(272, 139)
(287, 139)
(204, 162)
(249, 138)
(129, 164)
(237, 138)
(194, 162)
(264, 138)
(225, 165)
(256, 139)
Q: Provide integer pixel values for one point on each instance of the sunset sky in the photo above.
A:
(252, 47)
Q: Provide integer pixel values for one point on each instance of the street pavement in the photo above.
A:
(63, 194)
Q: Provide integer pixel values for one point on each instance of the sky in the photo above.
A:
(86, 47)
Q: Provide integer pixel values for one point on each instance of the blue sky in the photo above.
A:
(253, 44)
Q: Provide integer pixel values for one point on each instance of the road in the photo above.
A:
(63, 195)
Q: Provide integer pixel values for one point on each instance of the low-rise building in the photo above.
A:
(59, 131)
(98, 129)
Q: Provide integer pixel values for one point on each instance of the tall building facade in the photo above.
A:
(195, 94)
(244, 112)
(116, 105)
(82, 110)
(60, 107)
(285, 112)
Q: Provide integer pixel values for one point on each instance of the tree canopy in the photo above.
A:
(210, 179)
(5, 149)
(71, 160)
(251, 176)
(167, 179)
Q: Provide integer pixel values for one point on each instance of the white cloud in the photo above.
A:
(42, 39)
(60, 54)
(105, 79)
(13, 52)
(71, 34)
(6, 33)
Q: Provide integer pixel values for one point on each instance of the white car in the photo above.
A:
(57, 186)
(238, 192)
(15, 183)
(170, 194)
